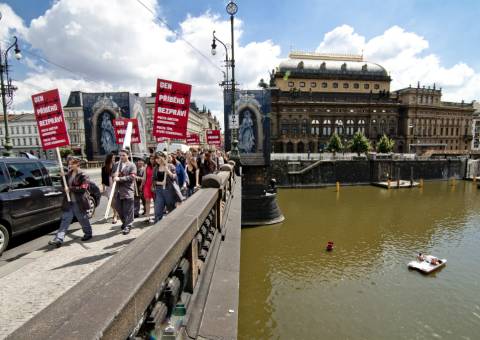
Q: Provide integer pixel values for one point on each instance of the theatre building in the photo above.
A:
(315, 95)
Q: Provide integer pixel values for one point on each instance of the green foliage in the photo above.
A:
(65, 152)
(360, 143)
(335, 143)
(385, 145)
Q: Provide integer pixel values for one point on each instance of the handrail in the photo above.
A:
(113, 301)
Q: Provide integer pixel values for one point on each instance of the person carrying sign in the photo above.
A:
(125, 172)
(78, 205)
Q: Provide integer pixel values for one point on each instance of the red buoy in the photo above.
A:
(330, 246)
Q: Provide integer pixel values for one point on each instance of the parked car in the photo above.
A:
(29, 197)
(95, 194)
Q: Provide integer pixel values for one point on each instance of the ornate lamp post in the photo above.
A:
(232, 9)
(214, 52)
(7, 89)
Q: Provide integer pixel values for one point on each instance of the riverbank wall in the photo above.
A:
(305, 173)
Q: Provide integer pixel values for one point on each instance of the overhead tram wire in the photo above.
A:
(64, 68)
(85, 77)
(179, 36)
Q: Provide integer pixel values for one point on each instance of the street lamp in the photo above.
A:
(7, 90)
(232, 9)
(214, 52)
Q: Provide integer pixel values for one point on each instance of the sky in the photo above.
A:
(125, 45)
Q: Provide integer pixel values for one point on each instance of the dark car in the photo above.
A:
(29, 197)
(54, 172)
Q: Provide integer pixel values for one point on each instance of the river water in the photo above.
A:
(291, 288)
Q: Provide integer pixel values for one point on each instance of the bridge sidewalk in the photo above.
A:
(45, 274)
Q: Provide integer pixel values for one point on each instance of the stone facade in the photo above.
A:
(23, 135)
(430, 125)
(315, 95)
(476, 128)
(289, 174)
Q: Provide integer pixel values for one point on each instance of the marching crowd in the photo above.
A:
(166, 179)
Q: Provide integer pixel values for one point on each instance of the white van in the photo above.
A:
(173, 147)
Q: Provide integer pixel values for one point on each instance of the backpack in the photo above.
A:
(94, 191)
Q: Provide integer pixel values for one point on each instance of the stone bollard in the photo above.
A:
(338, 186)
(227, 167)
(211, 181)
(421, 183)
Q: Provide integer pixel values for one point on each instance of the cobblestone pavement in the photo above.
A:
(47, 273)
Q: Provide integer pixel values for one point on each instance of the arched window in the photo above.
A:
(304, 127)
(374, 126)
(339, 126)
(350, 127)
(300, 147)
(361, 126)
(295, 127)
(311, 147)
(289, 147)
(391, 127)
(284, 127)
(327, 127)
(383, 126)
(315, 127)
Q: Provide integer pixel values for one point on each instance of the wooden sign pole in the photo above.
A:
(63, 174)
(126, 143)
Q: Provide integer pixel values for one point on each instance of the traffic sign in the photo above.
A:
(233, 121)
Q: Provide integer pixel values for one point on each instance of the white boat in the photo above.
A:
(426, 265)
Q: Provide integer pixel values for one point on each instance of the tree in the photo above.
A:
(335, 143)
(385, 145)
(360, 143)
(65, 152)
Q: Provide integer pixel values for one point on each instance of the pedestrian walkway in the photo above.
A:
(39, 278)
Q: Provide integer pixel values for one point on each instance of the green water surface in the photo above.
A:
(291, 288)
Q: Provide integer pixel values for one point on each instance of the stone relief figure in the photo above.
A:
(246, 140)
(107, 134)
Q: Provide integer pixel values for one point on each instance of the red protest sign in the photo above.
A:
(193, 139)
(172, 104)
(120, 127)
(213, 137)
(50, 120)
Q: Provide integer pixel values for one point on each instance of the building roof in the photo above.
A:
(18, 117)
(330, 64)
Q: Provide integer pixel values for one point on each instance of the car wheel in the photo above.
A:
(91, 210)
(4, 238)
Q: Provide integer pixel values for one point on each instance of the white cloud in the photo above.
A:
(403, 54)
(118, 45)
(10, 23)
(342, 39)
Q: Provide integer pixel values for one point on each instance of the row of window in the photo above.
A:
(342, 110)
(338, 122)
(443, 121)
(20, 129)
(429, 131)
(338, 127)
(335, 85)
(23, 141)
(426, 99)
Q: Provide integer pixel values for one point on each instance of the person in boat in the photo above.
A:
(420, 257)
(434, 261)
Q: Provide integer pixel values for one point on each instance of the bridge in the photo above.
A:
(176, 279)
